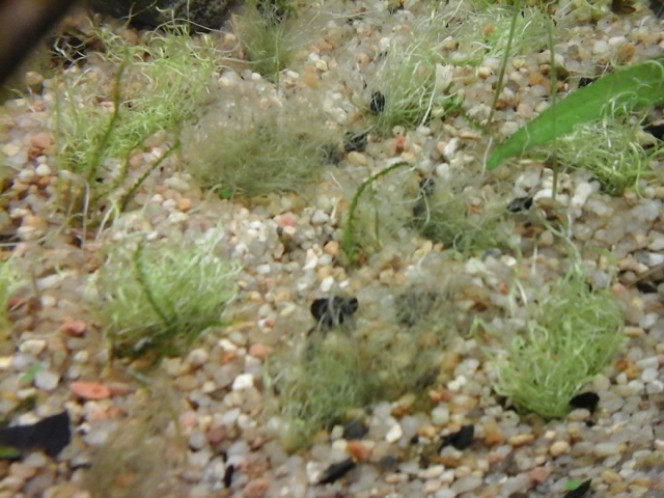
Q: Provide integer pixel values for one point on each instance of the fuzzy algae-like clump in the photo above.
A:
(341, 372)
(238, 148)
(161, 297)
(141, 457)
(571, 337)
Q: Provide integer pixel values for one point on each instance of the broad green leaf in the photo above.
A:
(640, 85)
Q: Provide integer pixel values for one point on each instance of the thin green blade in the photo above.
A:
(640, 85)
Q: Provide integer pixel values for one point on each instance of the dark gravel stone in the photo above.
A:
(337, 471)
(460, 440)
(355, 430)
(332, 312)
(377, 104)
(50, 434)
(587, 400)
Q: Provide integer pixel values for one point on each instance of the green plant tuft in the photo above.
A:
(102, 118)
(161, 297)
(571, 337)
(615, 151)
(414, 83)
(8, 283)
(272, 33)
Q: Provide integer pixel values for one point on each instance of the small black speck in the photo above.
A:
(337, 471)
(580, 490)
(388, 462)
(461, 439)
(520, 204)
(587, 400)
(377, 104)
(355, 142)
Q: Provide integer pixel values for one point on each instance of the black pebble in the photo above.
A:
(520, 204)
(585, 81)
(333, 312)
(51, 434)
(377, 104)
(355, 142)
(337, 471)
(228, 475)
(355, 430)
(460, 440)
(656, 130)
(587, 400)
(580, 490)
(646, 287)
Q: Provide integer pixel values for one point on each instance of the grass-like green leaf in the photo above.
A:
(638, 86)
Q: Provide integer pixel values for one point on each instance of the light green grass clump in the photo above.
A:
(572, 336)
(485, 32)
(612, 150)
(414, 81)
(162, 296)
(101, 119)
(272, 33)
(241, 148)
